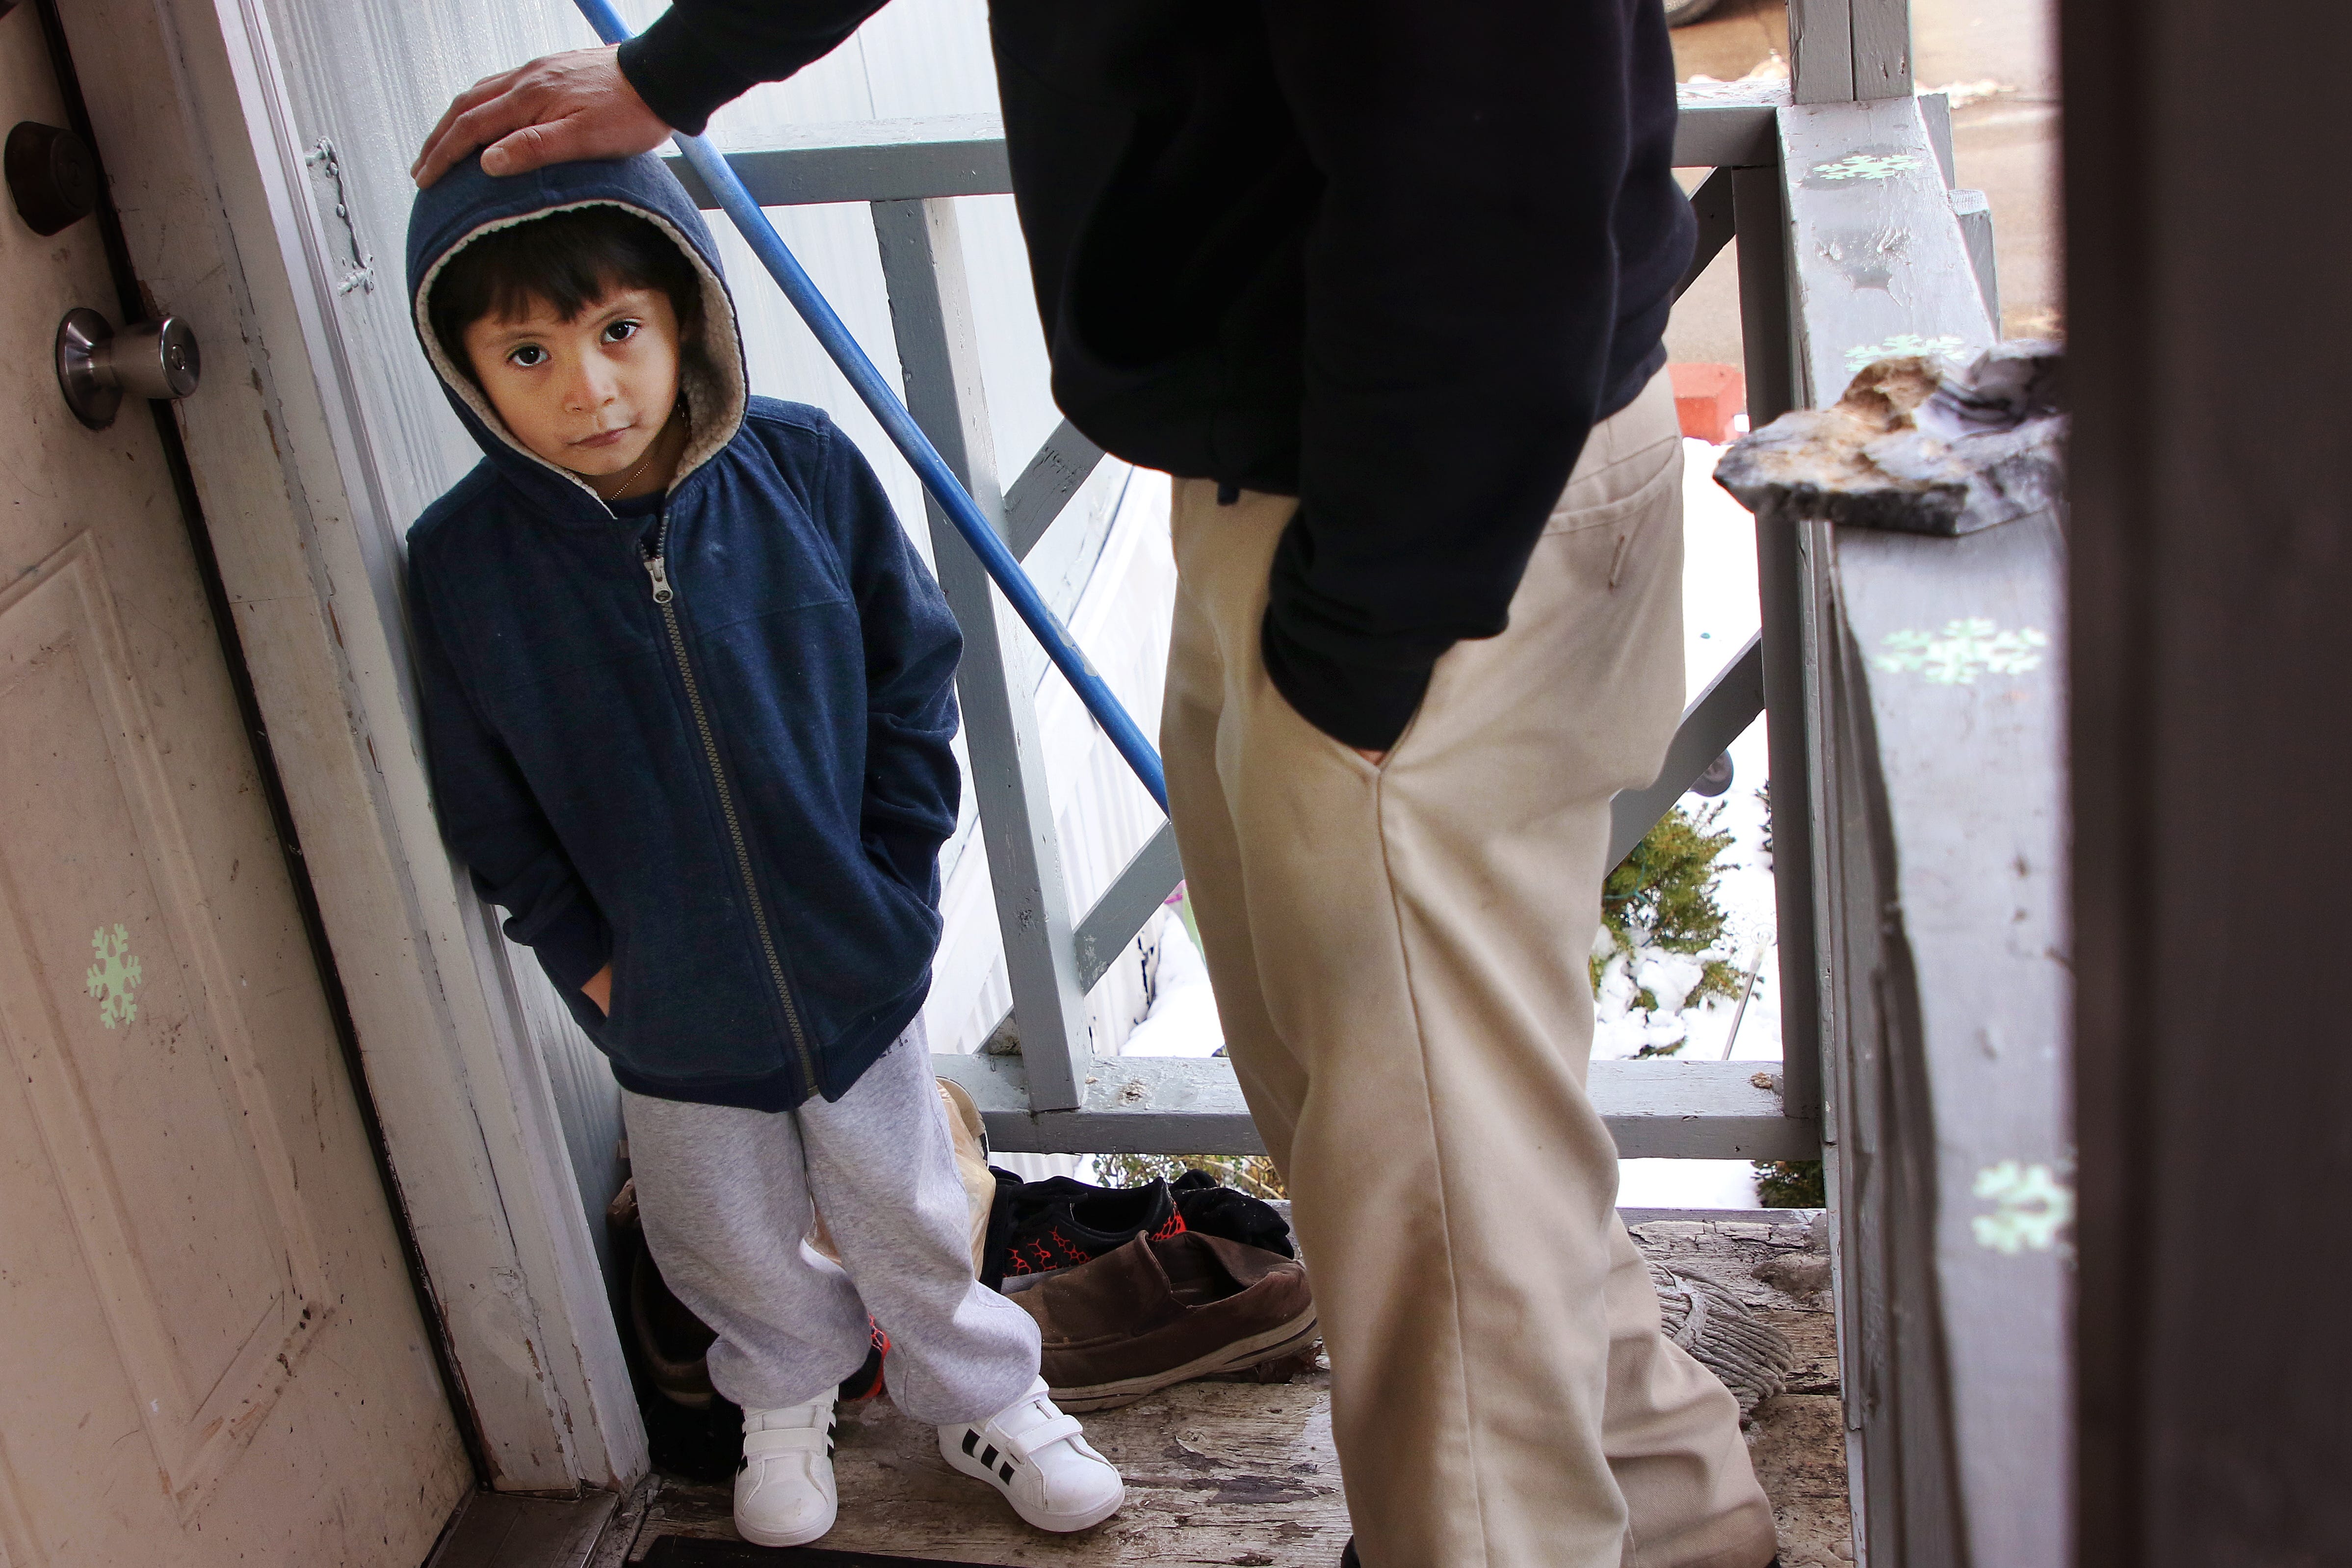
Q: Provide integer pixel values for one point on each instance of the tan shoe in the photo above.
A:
(1156, 1312)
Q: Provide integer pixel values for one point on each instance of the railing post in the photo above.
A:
(939, 358)
(1841, 50)
(1787, 591)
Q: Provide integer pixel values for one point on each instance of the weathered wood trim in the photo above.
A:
(1063, 464)
(930, 316)
(1935, 114)
(870, 160)
(1921, 980)
(227, 236)
(1820, 51)
(1716, 717)
(1956, 970)
(1727, 125)
(1975, 216)
(1881, 49)
(1787, 591)
(1712, 205)
(1184, 1105)
(1841, 50)
(1881, 268)
(1134, 896)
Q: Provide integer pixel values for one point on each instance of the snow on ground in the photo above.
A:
(1720, 612)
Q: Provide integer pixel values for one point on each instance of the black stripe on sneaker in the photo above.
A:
(989, 1457)
(971, 1439)
(1007, 1471)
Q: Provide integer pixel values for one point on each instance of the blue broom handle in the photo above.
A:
(909, 437)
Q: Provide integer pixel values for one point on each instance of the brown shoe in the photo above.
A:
(1156, 1312)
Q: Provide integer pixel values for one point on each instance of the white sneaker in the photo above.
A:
(1039, 1459)
(784, 1488)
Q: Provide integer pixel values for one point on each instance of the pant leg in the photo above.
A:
(724, 1197)
(882, 1167)
(1399, 957)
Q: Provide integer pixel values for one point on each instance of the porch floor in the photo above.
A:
(1244, 1474)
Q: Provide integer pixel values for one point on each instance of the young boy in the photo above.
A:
(687, 691)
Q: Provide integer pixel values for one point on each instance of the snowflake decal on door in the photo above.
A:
(1963, 650)
(114, 977)
(1868, 166)
(2030, 1206)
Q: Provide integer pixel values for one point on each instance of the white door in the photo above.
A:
(211, 1351)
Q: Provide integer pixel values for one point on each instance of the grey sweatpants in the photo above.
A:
(726, 1197)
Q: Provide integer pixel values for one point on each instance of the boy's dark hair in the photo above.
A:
(571, 260)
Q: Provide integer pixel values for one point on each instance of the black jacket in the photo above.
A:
(730, 778)
(1393, 258)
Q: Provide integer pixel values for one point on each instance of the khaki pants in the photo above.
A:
(1399, 953)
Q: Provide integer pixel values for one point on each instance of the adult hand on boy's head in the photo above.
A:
(553, 110)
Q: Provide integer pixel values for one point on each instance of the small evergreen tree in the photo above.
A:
(1791, 1184)
(1663, 895)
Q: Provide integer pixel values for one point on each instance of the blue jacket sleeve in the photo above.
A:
(493, 821)
(912, 785)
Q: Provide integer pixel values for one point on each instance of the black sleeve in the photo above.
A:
(1462, 284)
(700, 54)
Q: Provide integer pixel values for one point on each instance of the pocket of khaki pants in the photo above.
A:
(1636, 481)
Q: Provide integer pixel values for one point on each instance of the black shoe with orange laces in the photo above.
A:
(1061, 1223)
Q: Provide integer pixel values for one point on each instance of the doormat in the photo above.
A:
(678, 1551)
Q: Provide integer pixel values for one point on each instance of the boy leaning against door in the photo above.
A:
(688, 699)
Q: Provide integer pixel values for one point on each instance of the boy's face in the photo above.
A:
(590, 395)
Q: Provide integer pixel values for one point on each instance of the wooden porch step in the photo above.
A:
(1227, 1473)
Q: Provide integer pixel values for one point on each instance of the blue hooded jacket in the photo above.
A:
(728, 777)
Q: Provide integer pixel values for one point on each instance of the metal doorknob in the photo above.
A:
(97, 365)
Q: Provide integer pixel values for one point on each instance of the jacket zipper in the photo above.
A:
(665, 600)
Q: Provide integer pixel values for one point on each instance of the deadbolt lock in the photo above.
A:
(97, 365)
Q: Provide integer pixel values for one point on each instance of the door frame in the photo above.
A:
(223, 233)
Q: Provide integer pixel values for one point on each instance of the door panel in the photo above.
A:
(210, 1348)
(204, 1258)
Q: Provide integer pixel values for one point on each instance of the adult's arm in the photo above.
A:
(610, 104)
(1462, 286)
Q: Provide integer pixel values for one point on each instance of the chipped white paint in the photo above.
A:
(2030, 1206)
(211, 1353)
(114, 977)
(1944, 345)
(1868, 166)
(1963, 650)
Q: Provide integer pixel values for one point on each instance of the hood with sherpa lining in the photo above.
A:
(723, 783)
(466, 203)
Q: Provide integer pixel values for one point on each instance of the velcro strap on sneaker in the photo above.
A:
(788, 1440)
(1030, 1443)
